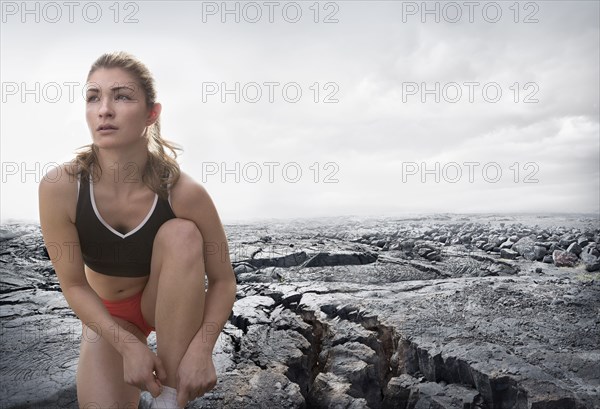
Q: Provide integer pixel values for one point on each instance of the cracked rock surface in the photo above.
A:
(431, 312)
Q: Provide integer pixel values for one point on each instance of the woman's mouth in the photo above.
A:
(106, 128)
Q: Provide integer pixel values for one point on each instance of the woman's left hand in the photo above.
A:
(196, 375)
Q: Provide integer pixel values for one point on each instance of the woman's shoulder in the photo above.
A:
(188, 193)
(187, 186)
(58, 188)
(60, 178)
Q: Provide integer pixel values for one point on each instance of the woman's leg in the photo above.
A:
(100, 380)
(173, 299)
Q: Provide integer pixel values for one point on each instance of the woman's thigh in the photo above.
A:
(100, 377)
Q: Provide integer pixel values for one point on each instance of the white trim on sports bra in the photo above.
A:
(121, 235)
(169, 198)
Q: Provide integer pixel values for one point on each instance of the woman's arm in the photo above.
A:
(56, 193)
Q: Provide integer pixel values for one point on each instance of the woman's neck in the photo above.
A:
(121, 170)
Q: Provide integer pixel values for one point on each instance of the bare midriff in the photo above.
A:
(113, 288)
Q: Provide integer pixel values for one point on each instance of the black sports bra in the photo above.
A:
(108, 251)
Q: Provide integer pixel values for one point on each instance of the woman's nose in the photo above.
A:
(106, 108)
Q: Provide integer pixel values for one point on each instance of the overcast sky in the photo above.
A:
(515, 127)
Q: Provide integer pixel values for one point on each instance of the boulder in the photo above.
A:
(564, 258)
(509, 254)
(574, 248)
(548, 259)
(539, 252)
(525, 247)
(592, 263)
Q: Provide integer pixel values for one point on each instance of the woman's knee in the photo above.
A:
(180, 234)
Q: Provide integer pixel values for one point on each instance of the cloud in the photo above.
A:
(367, 61)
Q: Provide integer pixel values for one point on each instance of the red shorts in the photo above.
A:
(130, 310)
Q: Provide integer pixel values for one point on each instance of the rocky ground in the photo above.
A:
(436, 311)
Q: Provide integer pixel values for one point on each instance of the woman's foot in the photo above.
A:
(166, 400)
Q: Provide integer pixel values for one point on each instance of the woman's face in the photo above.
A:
(116, 110)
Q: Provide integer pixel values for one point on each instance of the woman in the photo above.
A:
(126, 270)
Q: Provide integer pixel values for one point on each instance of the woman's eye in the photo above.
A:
(123, 96)
(89, 99)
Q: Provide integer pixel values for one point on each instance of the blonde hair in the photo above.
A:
(161, 169)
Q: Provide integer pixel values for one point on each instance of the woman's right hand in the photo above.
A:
(139, 365)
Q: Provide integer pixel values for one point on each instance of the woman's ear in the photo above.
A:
(154, 113)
